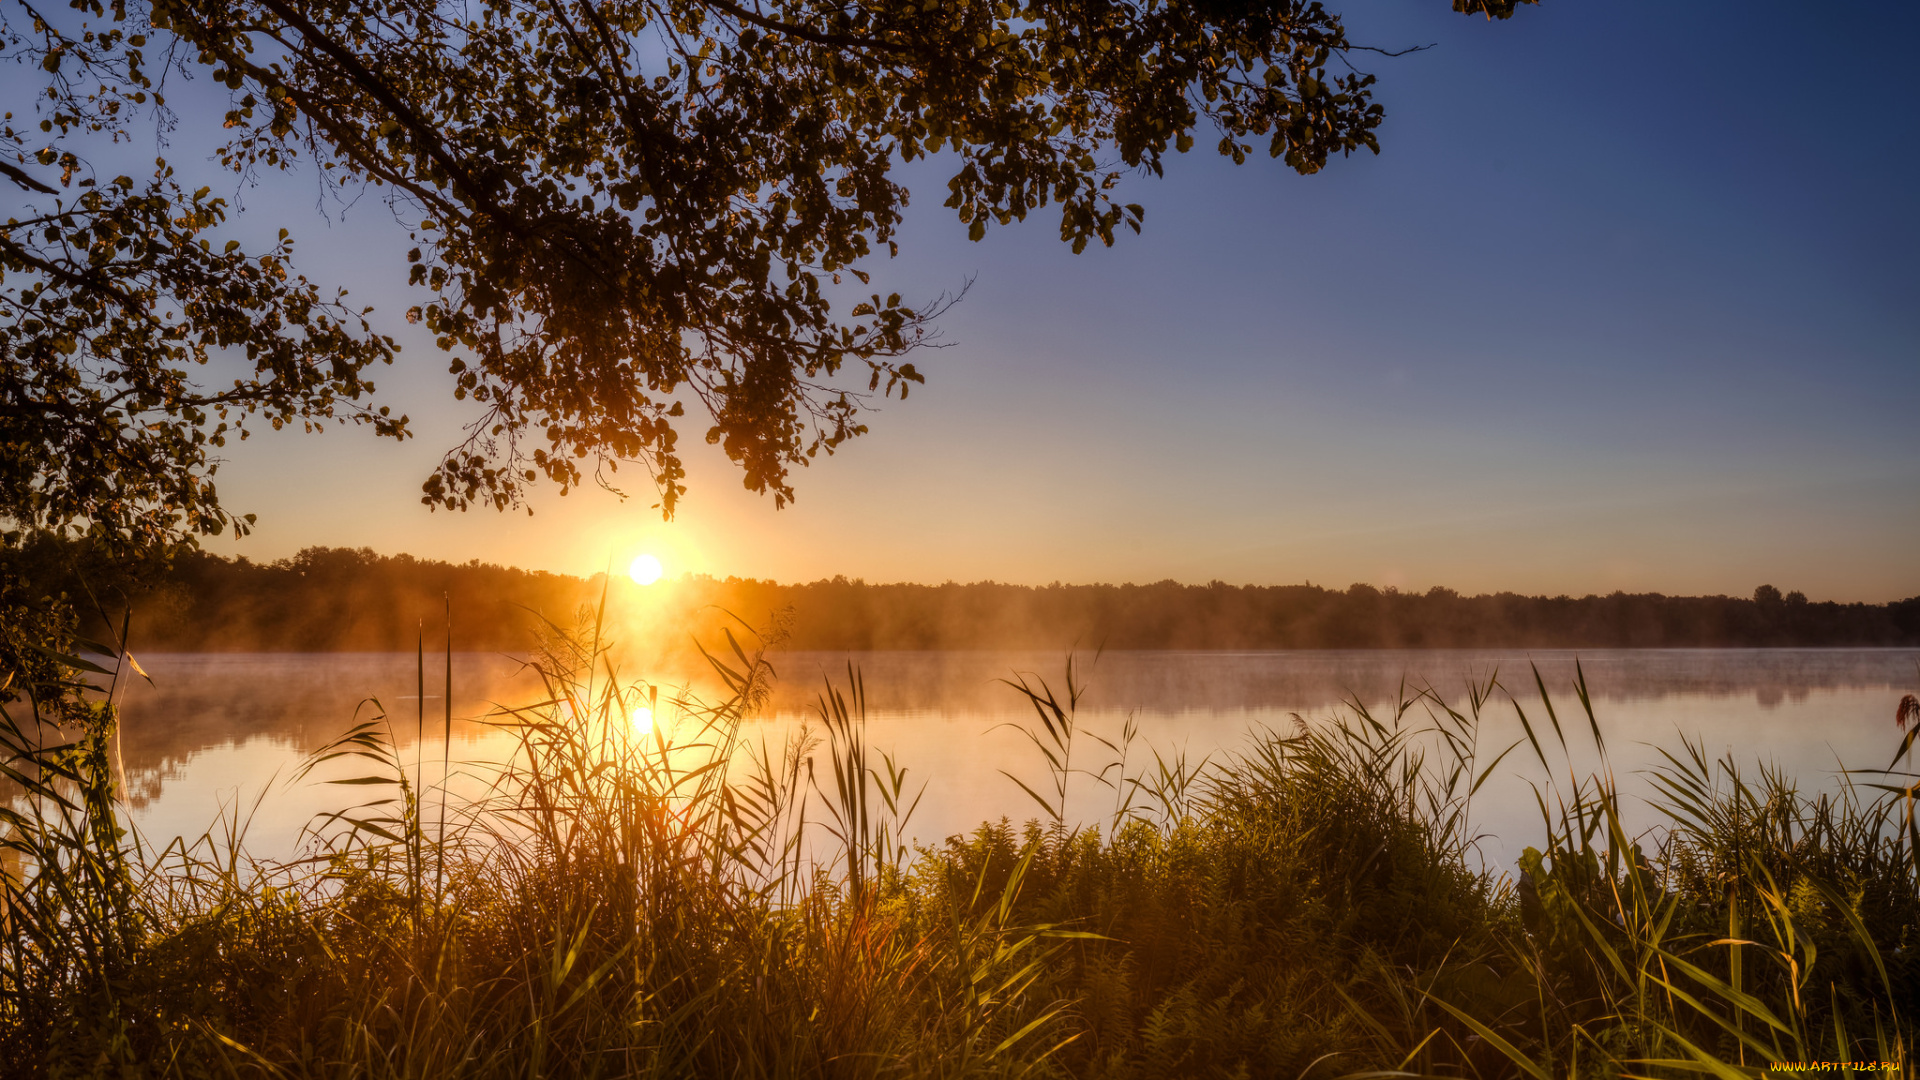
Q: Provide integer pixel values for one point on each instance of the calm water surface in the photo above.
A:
(220, 732)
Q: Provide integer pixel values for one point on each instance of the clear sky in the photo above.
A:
(1630, 300)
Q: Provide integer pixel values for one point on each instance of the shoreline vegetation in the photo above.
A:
(355, 600)
(654, 894)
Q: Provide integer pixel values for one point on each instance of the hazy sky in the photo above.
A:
(1630, 299)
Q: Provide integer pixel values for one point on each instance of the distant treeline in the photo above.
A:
(340, 599)
(842, 614)
(321, 600)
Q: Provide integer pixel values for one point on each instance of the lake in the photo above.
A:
(215, 732)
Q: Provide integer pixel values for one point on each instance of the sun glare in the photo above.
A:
(645, 569)
(642, 719)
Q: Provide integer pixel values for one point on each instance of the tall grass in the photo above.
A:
(644, 888)
(1767, 925)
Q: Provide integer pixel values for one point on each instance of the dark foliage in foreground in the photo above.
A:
(622, 902)
(341, 599)
(632, 220)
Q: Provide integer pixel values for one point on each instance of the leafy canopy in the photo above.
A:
(621, 209)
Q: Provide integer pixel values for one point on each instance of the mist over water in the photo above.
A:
(1173, 683)
(229, 730)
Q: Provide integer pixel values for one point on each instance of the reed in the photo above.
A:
(643, 888)
(1767, 925)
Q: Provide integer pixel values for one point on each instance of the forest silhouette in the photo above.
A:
(337, 599)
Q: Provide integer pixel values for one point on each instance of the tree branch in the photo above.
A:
(838, 41)
(21, 178)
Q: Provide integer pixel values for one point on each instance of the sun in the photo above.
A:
(645, 569)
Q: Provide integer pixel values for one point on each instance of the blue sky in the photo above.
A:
(1630, 299)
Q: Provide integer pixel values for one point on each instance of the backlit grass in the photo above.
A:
(673, 898)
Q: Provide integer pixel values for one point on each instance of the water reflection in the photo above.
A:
(1308, 681)
(203, 701)
(215, 728)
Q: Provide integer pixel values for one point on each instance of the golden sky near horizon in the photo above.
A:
(1560, 336)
